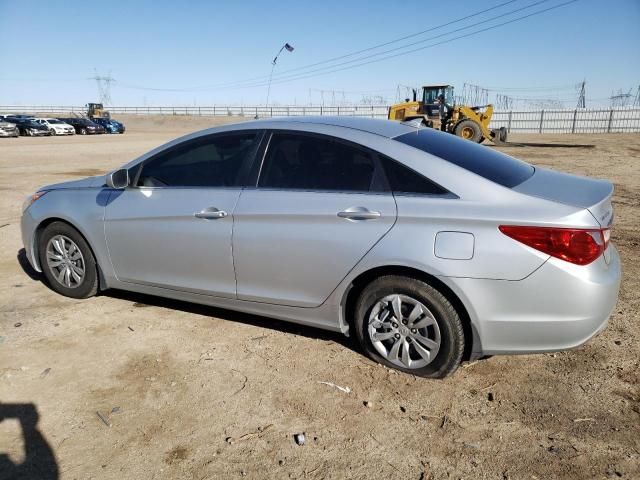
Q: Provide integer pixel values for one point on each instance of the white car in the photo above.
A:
(56, 127)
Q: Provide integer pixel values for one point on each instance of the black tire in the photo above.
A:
(469, 130)
(52, 132)
(88, 287)
(83, 131)
(448, 320)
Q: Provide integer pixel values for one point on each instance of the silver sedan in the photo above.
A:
(427, 248)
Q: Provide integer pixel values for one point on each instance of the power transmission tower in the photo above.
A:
(474, 94)
(620, 99)
(504, 102)
(636, 102)
(581, 96)
(104, 86)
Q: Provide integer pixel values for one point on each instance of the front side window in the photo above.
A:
(214, 161)
(313, 162)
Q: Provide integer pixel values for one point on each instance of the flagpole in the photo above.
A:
(273, 66)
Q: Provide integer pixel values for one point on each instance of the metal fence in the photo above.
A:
(613, 120)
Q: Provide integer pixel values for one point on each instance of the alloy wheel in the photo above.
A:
(65, 261)
(404, 331)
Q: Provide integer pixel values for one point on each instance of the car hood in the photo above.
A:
(89, 182)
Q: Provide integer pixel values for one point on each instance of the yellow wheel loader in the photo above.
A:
(96, 110)
(471, 123)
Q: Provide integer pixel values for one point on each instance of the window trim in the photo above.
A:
(245, 169)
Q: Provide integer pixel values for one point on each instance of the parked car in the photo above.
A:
(56, 127)
(8, 129)
(110, 125)
(28, 126)
(83, 126)
(422, 245)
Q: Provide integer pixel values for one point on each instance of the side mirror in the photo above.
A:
(118, 179)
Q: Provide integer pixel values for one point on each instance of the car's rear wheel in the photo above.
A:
(67, 261)
(83, 131)
(409, 325)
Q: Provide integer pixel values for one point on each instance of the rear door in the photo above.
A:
(320, 205)
(173, 227)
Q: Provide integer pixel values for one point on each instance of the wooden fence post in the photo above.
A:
(509, 121)
(541, 120)
(573, 125)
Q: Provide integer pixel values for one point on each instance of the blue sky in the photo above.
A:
(50, 49)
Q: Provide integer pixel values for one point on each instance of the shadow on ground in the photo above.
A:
(39, 459)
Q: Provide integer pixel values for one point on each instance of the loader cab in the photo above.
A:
(430, 95)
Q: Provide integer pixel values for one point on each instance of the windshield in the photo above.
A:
(52, 120)
(479, 159)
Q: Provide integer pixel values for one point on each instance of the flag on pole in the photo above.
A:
(288, 47)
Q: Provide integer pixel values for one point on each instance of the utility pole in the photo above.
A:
(581, 95)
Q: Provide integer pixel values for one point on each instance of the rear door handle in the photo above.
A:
(210, 213)
(359, 213)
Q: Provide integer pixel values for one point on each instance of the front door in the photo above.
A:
(173, 227)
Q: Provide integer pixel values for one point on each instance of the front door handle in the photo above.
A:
(359, 213)
(210, 213)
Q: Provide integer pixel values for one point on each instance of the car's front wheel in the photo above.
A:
(67, 261)
(83, 131)
(52, 132)
(409, 325)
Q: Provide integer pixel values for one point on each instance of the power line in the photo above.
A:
(305, 76)
(357, 52)
(402, 47)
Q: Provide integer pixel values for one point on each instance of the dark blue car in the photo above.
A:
(110, 125)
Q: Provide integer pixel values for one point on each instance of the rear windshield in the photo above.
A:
(481, 160)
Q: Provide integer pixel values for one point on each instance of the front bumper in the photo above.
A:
(66, 131)
(7, 133)
(560, 306)
(40, 133)
(28, 227)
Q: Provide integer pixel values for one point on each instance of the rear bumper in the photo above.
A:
(558, 307)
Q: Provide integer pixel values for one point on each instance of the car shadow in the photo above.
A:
(144, 300)
(26, 266)
(39, 458)
(141, 300)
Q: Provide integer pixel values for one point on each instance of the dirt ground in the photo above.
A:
(193, 392)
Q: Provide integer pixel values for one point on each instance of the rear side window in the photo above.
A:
(214, 161)
(404, 180)
(313, 162)
(481, 160)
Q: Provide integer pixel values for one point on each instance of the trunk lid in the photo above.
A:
(577, 191)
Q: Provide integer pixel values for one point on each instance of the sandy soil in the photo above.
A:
(195, 392)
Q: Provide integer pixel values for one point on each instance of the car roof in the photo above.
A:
(384, 128)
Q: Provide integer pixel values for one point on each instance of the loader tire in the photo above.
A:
(469, 130)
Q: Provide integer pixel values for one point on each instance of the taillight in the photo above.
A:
(575, 245)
